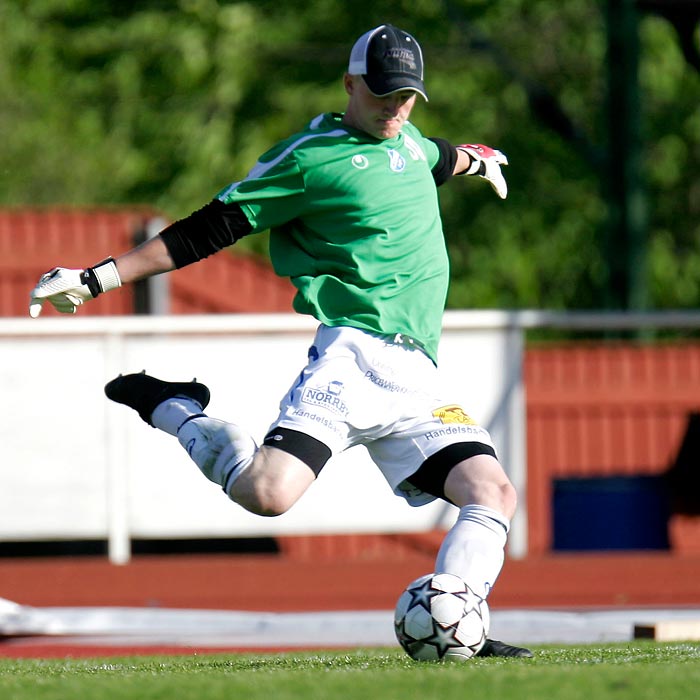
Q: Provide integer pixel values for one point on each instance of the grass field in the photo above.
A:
(632, 671)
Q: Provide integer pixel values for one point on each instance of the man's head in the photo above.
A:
(384, 76)
(389, 60)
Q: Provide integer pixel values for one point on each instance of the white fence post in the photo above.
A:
(116, 498)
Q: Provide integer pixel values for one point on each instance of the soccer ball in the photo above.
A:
(438, 617)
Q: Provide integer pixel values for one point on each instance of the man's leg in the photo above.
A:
(474, 548)
(265, 480)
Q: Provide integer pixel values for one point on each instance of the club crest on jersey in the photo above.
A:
(453, 414)
(396, 161)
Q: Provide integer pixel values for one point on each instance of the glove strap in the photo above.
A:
(476, 166)
(103, 277)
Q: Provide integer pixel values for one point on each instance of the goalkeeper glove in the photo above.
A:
(67, 289)
(486, 163)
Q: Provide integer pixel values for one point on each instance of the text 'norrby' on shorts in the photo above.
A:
(378, 391)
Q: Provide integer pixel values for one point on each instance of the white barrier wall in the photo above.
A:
(76, 466)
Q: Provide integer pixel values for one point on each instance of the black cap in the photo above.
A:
(389, 60)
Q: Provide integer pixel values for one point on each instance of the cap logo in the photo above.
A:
(403, 56)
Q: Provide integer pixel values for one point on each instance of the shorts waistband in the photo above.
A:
(402, 339)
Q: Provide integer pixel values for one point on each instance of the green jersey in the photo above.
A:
(355, 225)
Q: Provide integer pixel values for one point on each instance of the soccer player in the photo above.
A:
(352, 205)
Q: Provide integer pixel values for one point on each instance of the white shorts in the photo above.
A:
(360, 388)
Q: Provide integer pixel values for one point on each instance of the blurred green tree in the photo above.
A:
(164, 102)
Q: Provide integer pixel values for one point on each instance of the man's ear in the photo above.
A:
(348, 83)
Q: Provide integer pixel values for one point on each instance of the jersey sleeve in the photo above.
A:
(272, 193)
(440, 154)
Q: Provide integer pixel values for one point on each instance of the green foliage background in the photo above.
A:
(165, 102)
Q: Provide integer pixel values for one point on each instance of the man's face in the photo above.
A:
(381, 117)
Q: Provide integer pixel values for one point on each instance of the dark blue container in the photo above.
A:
(614, 512)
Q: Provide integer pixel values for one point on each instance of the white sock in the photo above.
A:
(221, 450)
(172, 413)
(474, 548)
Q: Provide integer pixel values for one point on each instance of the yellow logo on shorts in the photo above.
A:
(453, 414)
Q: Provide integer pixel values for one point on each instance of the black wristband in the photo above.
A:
(101, 277)
(89, 278)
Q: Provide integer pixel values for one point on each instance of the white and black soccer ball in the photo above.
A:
(439, 617)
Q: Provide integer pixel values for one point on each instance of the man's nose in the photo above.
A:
(392, 104)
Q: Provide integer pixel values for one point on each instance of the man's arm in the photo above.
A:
(150, 258)
(66, 288)
(470, 159)
(199, 235)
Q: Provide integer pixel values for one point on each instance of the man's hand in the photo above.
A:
(486, 162)
(67, 289)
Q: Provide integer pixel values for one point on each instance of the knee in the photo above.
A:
(481, 480)
(272, 484)
(270, 505)
(497, 494)
(266, 499)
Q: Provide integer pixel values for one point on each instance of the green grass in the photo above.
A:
(633, 671)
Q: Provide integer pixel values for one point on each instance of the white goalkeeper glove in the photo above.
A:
(67, 289)
(486, 162)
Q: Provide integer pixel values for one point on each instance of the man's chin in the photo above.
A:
(387, 133)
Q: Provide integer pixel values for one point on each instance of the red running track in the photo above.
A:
(282, 583)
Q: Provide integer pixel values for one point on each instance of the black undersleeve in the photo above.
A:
(308, 449)
(205, 232)
(431, 475)
(444, 168)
